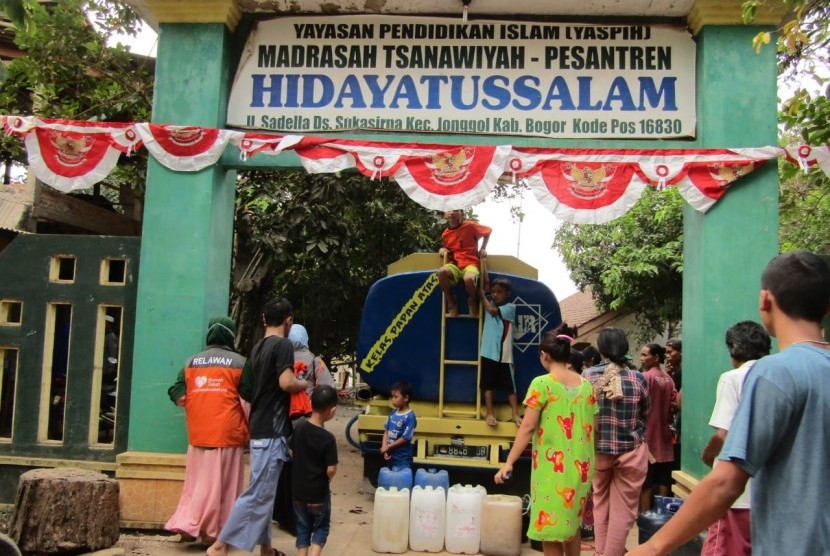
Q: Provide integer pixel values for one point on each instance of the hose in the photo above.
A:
(8, 547)
(364, 394)
(351, 440)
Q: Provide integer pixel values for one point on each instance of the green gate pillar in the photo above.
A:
(725, 249)
(187, 238)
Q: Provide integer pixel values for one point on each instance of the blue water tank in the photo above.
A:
(651, 520)
(398, 477)
(400, 336)
(433, 478)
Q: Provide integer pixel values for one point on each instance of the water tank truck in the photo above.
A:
(406, 335)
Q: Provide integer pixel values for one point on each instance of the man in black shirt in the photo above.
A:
(273, 362)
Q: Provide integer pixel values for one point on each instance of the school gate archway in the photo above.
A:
(188, 217)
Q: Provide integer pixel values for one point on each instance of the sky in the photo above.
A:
(529, 240)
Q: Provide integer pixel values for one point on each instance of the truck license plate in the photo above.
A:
(475, 452)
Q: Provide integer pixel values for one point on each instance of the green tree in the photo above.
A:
(321, 241)
(803, 45)
(804, 208)
(70, 72)
(634, 263)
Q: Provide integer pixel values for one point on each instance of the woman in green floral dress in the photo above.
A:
(560, 408)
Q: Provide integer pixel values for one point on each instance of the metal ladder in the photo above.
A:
(442, 410)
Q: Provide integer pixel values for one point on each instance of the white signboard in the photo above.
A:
(415, 74)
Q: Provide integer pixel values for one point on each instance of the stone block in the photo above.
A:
(65, 510)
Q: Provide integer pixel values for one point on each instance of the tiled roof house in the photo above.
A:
(580, 310)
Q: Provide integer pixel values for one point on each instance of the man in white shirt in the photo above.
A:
(773, 437)
(746, 341)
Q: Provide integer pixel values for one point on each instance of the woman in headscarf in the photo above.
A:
(622, 454)
(316, 373)
(209, 388)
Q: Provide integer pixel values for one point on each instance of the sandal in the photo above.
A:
(491, 420)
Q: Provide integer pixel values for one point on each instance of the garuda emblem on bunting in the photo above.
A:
(450, 168)
(69, 149)
(72, 155)
(588, 182)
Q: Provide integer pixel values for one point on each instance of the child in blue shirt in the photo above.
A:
(497, 347)
(397, 436)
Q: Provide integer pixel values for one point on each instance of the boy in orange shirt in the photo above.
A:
(461, 247)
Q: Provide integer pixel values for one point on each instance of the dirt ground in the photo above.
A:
(352, 508)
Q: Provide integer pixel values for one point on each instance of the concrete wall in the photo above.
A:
(27, 280)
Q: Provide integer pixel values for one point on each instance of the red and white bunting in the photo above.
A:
(578, 185)
(18, 125)
(807, 157)
(438, 177)
(593, 186)
(74, 155)
(319, 158)
(586, 192)
(456, 178)
(251, 143)
(185, 148)
(707, 179)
